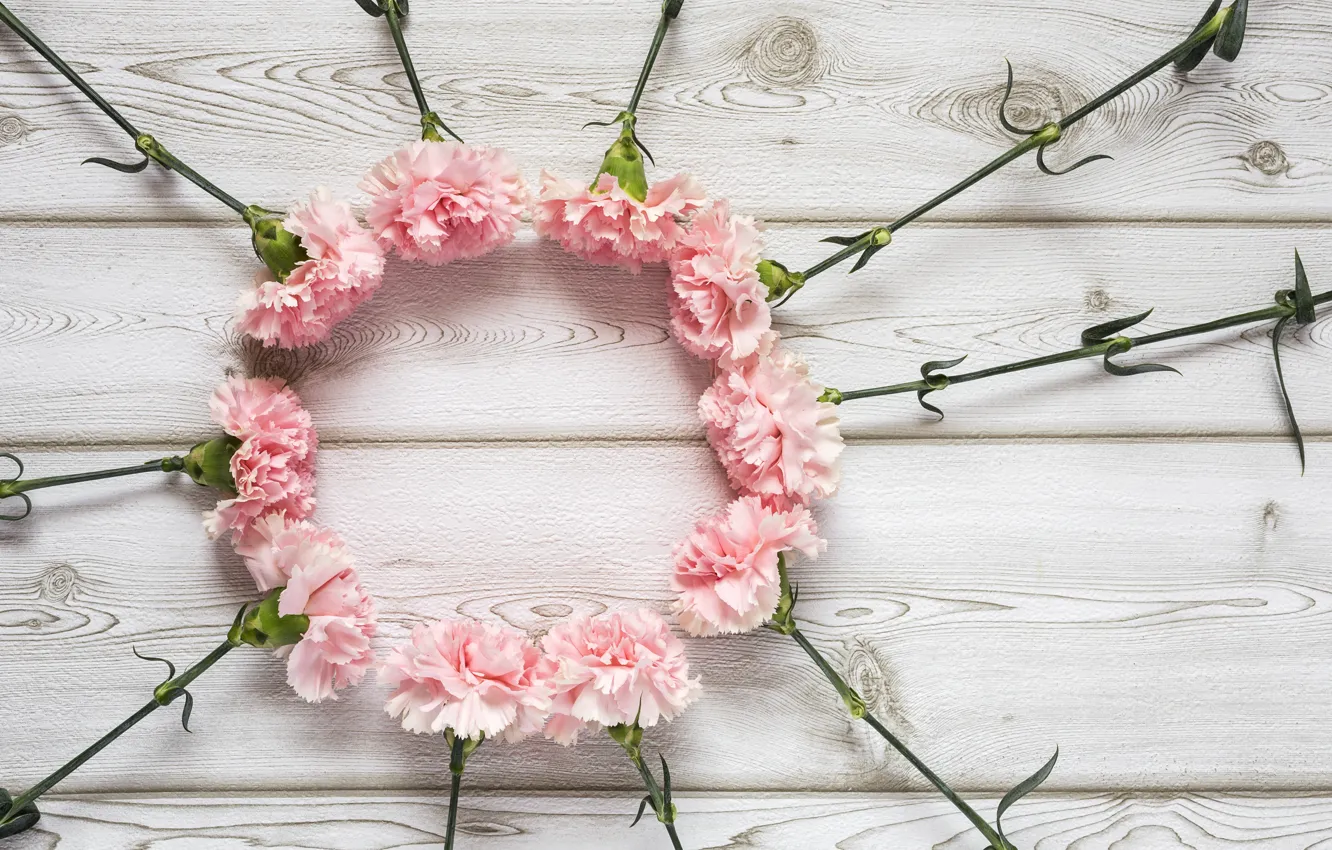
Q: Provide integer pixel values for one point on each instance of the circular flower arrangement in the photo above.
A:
(773, 428)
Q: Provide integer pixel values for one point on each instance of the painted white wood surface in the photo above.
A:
(531, 344)
(1155, 608)
(1131, 568)
(796, 108)
(718, 822)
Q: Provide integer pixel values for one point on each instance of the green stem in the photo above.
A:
(664, 809)
(144, 142)
(858, 710)
(1047, 135)
(431, 123)
(166, 464)
(457, 762)
(1099, 349)
(670, 9)
(164, 694)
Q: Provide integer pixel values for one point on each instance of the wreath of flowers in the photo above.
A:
(773, 428)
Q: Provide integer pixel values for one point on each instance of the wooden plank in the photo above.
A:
(1158, 609)
(396, 821)
(534, 345)
(863, 109)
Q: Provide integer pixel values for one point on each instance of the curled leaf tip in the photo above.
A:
(1123, 345)
(1003, 106)
(1103, 332)
(1295, 430)
(1046, 169)
(1230, 39)
(122, 167)
(1022, 789)
(171, 668)
(642, 807)
(920, 397)
(1304, 300)
(371, 7)
(1195, 56)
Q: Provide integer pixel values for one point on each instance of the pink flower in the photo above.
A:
(726, 571)
(720, 307)
(345, 267)
(605, 225)
(609, 670)
(321, 584)
(468, 676)
(273, 469)
(770, 430)
(445, 201)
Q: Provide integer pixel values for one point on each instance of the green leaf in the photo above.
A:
(845, 241)
(920, 397)
(1025, 787)
(123, 168)
(1100, 333)
(1191, 59)
(936, 365)
(1304, 302)
(665, 782)
(866, 257)
(642, 807)
(371, 7)
(1231, 38)
(1123, 345)
(1285, 394)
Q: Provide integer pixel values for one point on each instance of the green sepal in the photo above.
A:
(1023, 788)
(1231, 38)
(1194, 57)
(265, 628)
(469, 746)
(780, 281)
(278, 247)
(209, 464)
(629, 736)
(624, 162)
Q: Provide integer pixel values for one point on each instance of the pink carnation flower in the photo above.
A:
(726, 571)
(321, 583)
(605, 225)
(771, 432)
(720, 308)
(345, 267)
(468, 676)
(609, 670)
(273, 469)
(445, 201)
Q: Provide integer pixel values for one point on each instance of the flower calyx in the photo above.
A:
(278, 247)
(624, 159)
(780, 281)
(263, 627)
(459, 754)
(209, 464)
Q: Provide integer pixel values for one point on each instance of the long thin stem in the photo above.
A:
(431, 123)
(861, 712)
(166, 464)
(659, 801)
(164, 694)
(1098, 349)
(1042, 137)
(144, 142)
(457, 762)
(669, 11)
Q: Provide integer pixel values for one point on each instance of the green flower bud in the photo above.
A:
(265, 628)
(278, 247)
(209, 464)
(629, 736)
(779, 280)
(624, 162)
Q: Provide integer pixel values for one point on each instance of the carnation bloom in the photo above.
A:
(612, 670)
(273, 469)
(472, 677)
(726, 572)
(770, 430)
(344, 267)
(720, 307)
(605, 225)
(445, 201)
(317, 577)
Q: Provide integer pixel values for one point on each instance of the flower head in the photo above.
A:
(273, 468)
(318, 581)
(614, 669)
(720, 308)
(445, 201)
(726, 572)
(343, 266)
(606, 225)
(771, 432)
(471, 677)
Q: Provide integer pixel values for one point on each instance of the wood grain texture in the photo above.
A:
(1158, 609)
(715, 821)
(798, 109)
(531, 344)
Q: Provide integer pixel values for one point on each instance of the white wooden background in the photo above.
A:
(1131, 568)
